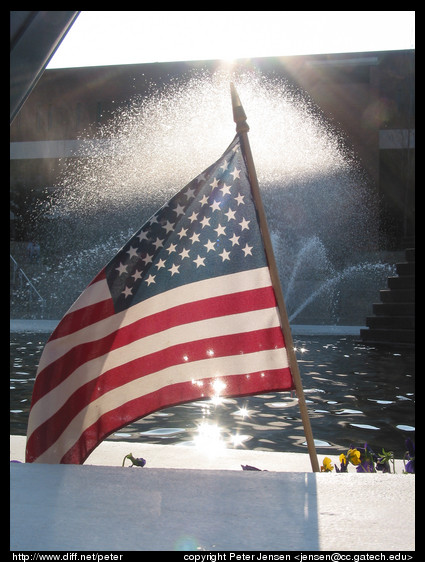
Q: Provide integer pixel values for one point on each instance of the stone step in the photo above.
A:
(397, 295)
(394, 309)
(387, 336)
(410, 254)
(394, 320)
(391, 322)
(405, 268)
(405, 282)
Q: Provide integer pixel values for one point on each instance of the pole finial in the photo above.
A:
(239, 116)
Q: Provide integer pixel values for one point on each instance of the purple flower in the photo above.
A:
(382, 465)
(410, 446)
(410, 457)
(139, 461)
(366, 466)
(135, 462)
(367, 459)
(410, 467)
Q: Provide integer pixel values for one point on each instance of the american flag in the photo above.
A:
(184, 311)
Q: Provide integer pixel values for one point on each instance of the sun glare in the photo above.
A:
(243, 412)
(209, 439)
(238, 440)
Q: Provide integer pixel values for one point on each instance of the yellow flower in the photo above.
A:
(342, 458)
(327, 465)
(353, 456)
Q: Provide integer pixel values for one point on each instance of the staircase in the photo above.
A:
(393, 322)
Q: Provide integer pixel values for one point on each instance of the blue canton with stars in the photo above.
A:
(208, 229)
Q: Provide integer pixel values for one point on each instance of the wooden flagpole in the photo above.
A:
(242, 129)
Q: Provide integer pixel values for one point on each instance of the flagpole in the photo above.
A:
(242, 129)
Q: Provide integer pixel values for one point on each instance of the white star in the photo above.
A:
(215, 205)
(168, 226)
(205, 222)
(220, 230)
(193, 216)
(204, 201)
(230, 214)
(201, 177)
(160, 264)
(171, 248)
(132, 252)
(199, 261)
(174, 269)
(184, 254)
(209, 245)
(244, 224)
(190, 193)
(234, 240)
(224, 255)
(214, 183)
(247, 250)
(224, 165)
(121, 268)
(127, 292)
(240, 199)
(147, 259)
(158, 243)
(194, 238)
(179, 210)
(235, 173)
(182, 233)
(142, 236)
(137, 275)
(150, 279)
(225, 189)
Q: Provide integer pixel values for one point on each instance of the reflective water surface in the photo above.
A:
(355, 394)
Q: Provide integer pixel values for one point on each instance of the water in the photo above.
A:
(321, 210)
(355, 394)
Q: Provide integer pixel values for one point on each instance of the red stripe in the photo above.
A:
(48, 432)
(239, 385)
(78, 319)
(101, 275)
(75, 320)
(246, 301)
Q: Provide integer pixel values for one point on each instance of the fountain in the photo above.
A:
(320, 208)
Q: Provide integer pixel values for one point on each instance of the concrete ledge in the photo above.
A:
(185, 498)
(26, 325)
(72, 507)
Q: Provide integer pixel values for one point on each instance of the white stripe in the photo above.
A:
(195, 331)
(218, 286)
(196, 371)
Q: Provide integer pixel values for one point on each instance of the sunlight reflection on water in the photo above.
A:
(354, 393)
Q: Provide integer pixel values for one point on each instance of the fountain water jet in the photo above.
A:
(321, 212)
(353, 271)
